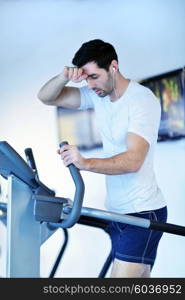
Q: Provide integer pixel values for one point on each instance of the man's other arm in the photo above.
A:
(126, 162)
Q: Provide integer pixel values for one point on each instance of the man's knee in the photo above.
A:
(129, 269)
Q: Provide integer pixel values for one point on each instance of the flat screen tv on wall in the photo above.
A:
(78, 128)
(170, 89)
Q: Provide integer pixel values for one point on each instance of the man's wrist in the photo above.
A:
(87, 164)
(63, 78)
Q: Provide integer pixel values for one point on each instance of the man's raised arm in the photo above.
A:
(55, 92)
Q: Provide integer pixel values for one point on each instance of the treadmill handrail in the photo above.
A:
(12, 163)
(74, 215)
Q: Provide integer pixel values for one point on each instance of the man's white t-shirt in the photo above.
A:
(137, 111)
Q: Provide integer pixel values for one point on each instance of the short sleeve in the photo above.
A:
(144, 117)
(85, 98)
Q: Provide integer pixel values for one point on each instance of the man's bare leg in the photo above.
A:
(124, 269)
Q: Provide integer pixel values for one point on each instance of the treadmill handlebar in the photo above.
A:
(11, 163)
(30, 159)
(74, 215)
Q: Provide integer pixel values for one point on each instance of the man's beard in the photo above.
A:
(101, 93)
(108, 88)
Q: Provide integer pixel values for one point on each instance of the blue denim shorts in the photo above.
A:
(135, 244)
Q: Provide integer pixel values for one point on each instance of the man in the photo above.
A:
(128, 116)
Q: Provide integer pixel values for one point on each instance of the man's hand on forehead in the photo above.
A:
(74, 74)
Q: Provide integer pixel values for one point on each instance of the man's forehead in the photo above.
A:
(91, 67)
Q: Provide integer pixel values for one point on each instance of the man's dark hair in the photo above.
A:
(95, 51)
